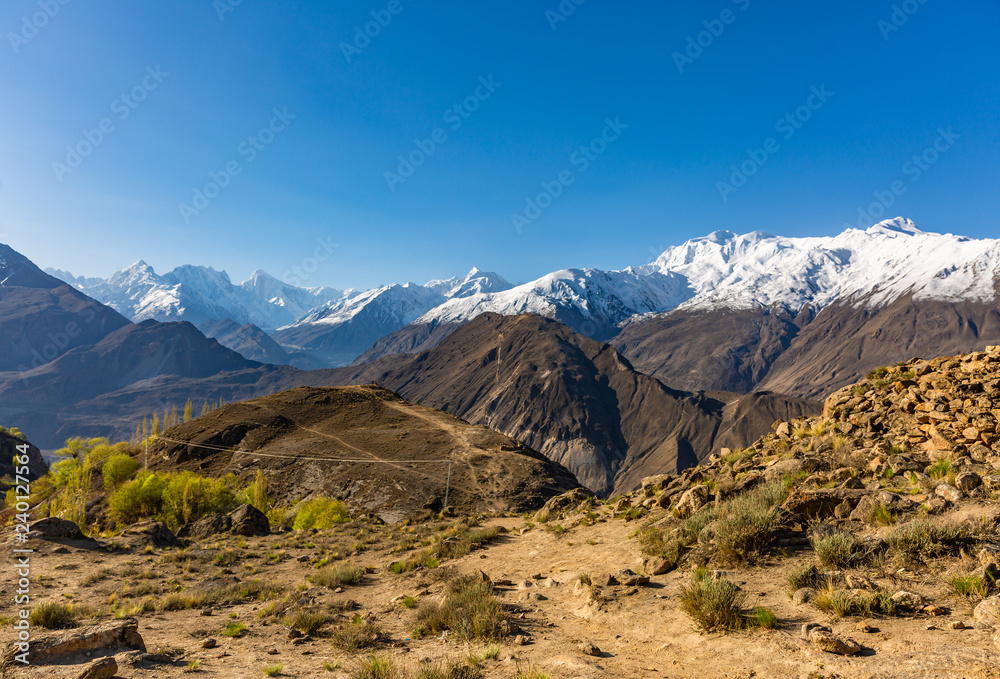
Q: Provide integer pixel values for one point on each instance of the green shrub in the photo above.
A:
(882, 515)
(939, 469)
(469, 610)
(235, 630)
(713, 604)
(747, 523)
(175, 499)
(692, 526)
(838, 550)
(333, 577)
(805, 576)
(51, 615)
(273, 670)
(118, 469)
(376, 667)
(920, 540)
(138, 499)
(763, 617)
(308, 622)
(356, 635)
(319, 512)
(188, 497)
(866, 604)
(971, 586)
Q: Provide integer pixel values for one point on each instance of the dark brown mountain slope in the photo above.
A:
(801, 355)
(247, 340)
(575, 400)
(298, 436)
(411, 339)
(42, 318)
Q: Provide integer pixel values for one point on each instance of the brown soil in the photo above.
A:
(641, 632)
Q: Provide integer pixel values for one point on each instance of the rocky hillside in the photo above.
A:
(398, 458)
(914, 439)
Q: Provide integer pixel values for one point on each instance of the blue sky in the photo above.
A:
(210, 85)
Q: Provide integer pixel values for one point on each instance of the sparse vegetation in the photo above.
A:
(235, 630)
(333, 577)
(838, 549)
(51, 615)
(855, 602)
(920, 540)
(714, 604)
(308, 622)
(356, 635)
(969, 585)
(470, 611)
(746, 524)
(805, 576)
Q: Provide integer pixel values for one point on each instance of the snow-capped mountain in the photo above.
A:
(340, 330)
(199, 294)
(721, 271)
(473, 283)
(588, 300)
(728, 271)
(75, 281)
(871, 267)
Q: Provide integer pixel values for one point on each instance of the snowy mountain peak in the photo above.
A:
(897, 225)
(474, 282)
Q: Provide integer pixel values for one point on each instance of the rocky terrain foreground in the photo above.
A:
(861, 543)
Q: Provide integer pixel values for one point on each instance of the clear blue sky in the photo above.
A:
(323, 175)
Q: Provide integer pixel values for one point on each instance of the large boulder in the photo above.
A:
(692, 500)
(831, 643)
(987, 613)
(248, 520)
(105, 638)
(104, 668)
(561, 504)
(54, 528)
(206, 527)
(150, 533)
(803, 505)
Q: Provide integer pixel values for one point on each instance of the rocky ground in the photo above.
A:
(863, 543)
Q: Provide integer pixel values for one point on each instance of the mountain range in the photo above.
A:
(770, 286)
(613, 374)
